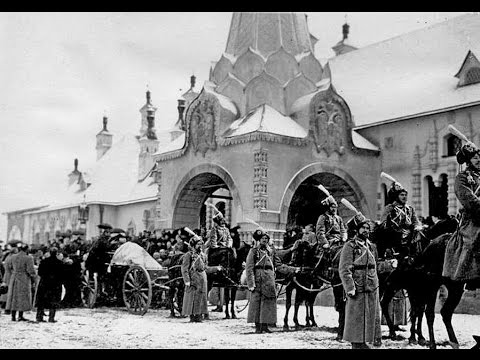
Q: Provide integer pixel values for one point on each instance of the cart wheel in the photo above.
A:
(89, 291)
(137, 290)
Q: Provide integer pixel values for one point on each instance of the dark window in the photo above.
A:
(453, 145)
(473, 76)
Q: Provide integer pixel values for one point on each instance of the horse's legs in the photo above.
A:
(233, 295)
(430, 315)
(312, 296)
(288, 304)
(414, 311)
(298, 302)
(455, 292)
(340, 307)
(171, 296)
(226, 295)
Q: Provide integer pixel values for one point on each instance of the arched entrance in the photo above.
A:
(204, 183)
(301, 199)
(306, 207)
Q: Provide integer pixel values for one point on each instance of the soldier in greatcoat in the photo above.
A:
(23, 274)
(49, 290)
(358, 272)
(260, 271)
(462, 255)
(195, 279)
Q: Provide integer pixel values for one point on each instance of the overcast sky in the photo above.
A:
(60, 72)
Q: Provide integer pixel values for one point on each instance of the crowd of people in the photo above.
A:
(60, 261)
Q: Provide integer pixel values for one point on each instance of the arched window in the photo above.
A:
(452, 145)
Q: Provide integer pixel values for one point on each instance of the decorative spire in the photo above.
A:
(192, 81)
(75, 164)
(181, 109)
(148, 96)
(105, 121)
(346, 29)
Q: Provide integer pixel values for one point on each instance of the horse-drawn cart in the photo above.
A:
(132, 275)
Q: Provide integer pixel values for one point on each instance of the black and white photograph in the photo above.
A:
(240, 180)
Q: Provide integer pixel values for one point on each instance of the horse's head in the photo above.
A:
(304, 254)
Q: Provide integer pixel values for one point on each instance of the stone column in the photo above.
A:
(416, 183)
(452, 199)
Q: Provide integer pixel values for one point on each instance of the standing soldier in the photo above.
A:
(462, 255)
(260, 271)
(195, 278)
(358, 272)
(19, 297)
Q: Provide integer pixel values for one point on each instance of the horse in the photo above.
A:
(314, 276)
(176, 284)
(419, 273)
(224, 270)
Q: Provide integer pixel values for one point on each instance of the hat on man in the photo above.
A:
(467, 152)
(357, 222)
(105, 226)
(78, 232)
(258, 234)
(329, 201)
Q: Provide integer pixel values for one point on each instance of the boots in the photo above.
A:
(360, 346)
(40, 315)
(51, 316)
(20, 316)
(265, 328)
(258, 328)
(14, 315)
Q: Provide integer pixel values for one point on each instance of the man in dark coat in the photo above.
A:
(49, 290)
(98, 256)
(23, 274)
(260, 271)
(462, 255)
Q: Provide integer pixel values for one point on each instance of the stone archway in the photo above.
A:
(195, 188)
(301, 199)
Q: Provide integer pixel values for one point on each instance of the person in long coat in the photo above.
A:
(49, 290)
(358, 272)
(260, 271)
(462, 255)
(195, 279)
(23, 274)
(7, 275)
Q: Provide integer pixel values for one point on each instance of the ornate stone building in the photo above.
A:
(271, 123)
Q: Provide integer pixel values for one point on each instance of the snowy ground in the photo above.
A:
(115, 328)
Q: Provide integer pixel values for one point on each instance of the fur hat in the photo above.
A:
(328, 201)
(357, 222)
(466, 152)
(105, 226)
(194, 241)
(258, 234)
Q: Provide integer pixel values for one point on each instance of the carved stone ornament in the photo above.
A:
(328, 126)
(202, 127)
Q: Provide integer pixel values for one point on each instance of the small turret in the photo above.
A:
(147, 127)
(104, 139)
(344, 46)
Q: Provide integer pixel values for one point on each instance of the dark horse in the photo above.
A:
(175, 284)
(311, 277)
(419, 272)
(224, 271)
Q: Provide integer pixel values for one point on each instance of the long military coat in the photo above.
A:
(19, 297)
(193, 271)
(462, 255)
(6, 275)
(358, 270)
(260, 270)
(49, 290)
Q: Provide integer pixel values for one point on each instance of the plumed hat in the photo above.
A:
(258, 234)
(357, 222)
(329, 201)
(466, 152)
(195, 240)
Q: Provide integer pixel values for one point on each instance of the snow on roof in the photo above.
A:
(167, 146)
(224, 101)
(360, 142)
(300, 56)
(115, 175)
(266, 119)
(409, 74)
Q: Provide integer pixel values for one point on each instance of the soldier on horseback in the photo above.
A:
(462, 256)
(398, 222)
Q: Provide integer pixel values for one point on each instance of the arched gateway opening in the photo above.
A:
(306, 207)
(202, 184)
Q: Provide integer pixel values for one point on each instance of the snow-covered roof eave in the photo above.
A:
(360, 142)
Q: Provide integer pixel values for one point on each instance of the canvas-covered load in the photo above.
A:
(133, 254)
